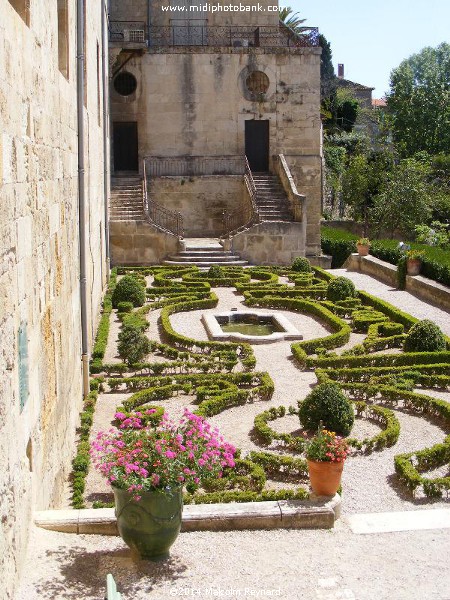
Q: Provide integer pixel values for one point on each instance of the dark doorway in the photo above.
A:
(257, 144)
(125, 142)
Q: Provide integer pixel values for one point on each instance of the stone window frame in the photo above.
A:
(116, 97)
(63, 37)
(23, 9)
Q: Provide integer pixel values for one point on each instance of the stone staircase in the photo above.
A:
(126, 199)
(273, 204)
(205, 252)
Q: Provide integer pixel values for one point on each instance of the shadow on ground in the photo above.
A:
(82, 573)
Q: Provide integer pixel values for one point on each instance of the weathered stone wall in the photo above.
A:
(196, 103)
(39, 261)
(139, 243)
(271, 243)
(200, 200)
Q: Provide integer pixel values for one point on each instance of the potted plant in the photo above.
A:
(325, 454)
(148, 465)
(414, 261)
(362, 246)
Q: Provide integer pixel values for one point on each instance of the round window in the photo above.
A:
(125, 84)
(257, 82)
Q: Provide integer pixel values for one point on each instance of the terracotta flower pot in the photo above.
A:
(362, 249)
(325, 477)
(413, 266)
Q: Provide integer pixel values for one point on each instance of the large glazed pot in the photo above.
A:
(413, 266)
(363, 250)
(149, 525)
(325, 477)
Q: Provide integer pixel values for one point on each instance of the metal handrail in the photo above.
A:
(158, 215)
(249, 215)
(200, 34)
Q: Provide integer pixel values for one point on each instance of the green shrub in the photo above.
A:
(133, 345)
(215, 272)
(301, 265)
(424, 336)
(125, 307)
(327, 405)
(340, 289)
(128, 289)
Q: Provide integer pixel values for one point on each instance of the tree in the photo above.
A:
(405, 198)
(362, 181)
(419, 102)
(290, 18)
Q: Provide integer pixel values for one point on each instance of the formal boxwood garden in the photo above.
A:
(367, 381)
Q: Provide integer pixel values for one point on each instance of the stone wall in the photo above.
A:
(139, 243)
(271, 243)
(196, 103)
(200, 200)
(39, 259)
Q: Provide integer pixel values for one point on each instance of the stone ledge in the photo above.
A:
(317, 513)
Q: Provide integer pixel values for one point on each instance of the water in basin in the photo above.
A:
(248, 325)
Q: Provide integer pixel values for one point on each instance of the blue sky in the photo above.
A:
(372, 38)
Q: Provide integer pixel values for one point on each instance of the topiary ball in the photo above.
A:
(301, 265)
(215, 272)
(329, 406)
(128, 289)
(424, 336)
(340, 289)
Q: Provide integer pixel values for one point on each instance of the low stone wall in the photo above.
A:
(200, 200)
(271, 243)
(139, 243)
(423, 288)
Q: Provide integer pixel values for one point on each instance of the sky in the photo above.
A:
(372, 38)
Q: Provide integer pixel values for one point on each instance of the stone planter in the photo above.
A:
(149, 525)
(413, 266)
(325, 477)
(362, 249)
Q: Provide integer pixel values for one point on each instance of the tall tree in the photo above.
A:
(419, 102)
(290, 18)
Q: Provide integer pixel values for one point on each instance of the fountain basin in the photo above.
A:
(251, 327)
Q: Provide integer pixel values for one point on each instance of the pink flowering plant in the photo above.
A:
(143, 457)
(326, 446)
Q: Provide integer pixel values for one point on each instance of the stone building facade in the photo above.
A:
(214, 84)
(40, 309)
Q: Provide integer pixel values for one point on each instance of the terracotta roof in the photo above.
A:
(347, 83)
(379, 102)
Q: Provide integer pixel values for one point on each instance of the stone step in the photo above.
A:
(203, 252)
(209, 263)
(199, 258)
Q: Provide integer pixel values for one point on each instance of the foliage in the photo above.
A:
(404, 199)
(327, 405)
(419, 102)
(340, 289)
(125, 307)
(301, 265)
(215, 272)
(128, 289)
(425, 336)
(290, 18)
(435, 235)
(153, 458)
(326, 446)
(133, 345)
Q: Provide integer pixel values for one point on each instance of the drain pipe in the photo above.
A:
(82, 196)
(106, 167)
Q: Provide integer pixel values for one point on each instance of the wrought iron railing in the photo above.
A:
(157, 214)
(178, 166)
(249, 214)
(204, 35)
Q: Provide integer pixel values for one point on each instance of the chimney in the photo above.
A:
(341, 71)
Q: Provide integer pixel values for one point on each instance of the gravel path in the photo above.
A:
(285, 564)
(402, 299)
